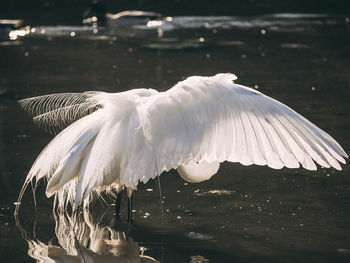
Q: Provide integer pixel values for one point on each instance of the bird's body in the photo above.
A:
(116, 140)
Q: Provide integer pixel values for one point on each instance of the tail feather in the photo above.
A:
(59, 161)
(70, 165)
(64, 158)
(54, 112)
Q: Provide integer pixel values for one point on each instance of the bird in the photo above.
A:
(114, 141)
(97, 13)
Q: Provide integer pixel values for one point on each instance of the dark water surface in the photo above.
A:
(243, 214)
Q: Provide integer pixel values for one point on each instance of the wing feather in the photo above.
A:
(252, 138)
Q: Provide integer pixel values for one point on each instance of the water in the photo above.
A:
(243, 214)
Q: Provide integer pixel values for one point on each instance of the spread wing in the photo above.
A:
(212, 119)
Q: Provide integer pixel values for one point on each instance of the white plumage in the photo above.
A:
(116, 140)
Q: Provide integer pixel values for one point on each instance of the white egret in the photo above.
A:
(115, 140)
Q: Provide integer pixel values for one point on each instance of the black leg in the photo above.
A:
(130, 208)
(117, 204)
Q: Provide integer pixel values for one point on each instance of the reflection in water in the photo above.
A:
(278, 22)
(187, 31)
(6, 25)
(86, 237)
(198, 259)
(21, 32)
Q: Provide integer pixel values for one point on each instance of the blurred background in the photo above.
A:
(295, 51)
(50, 12)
